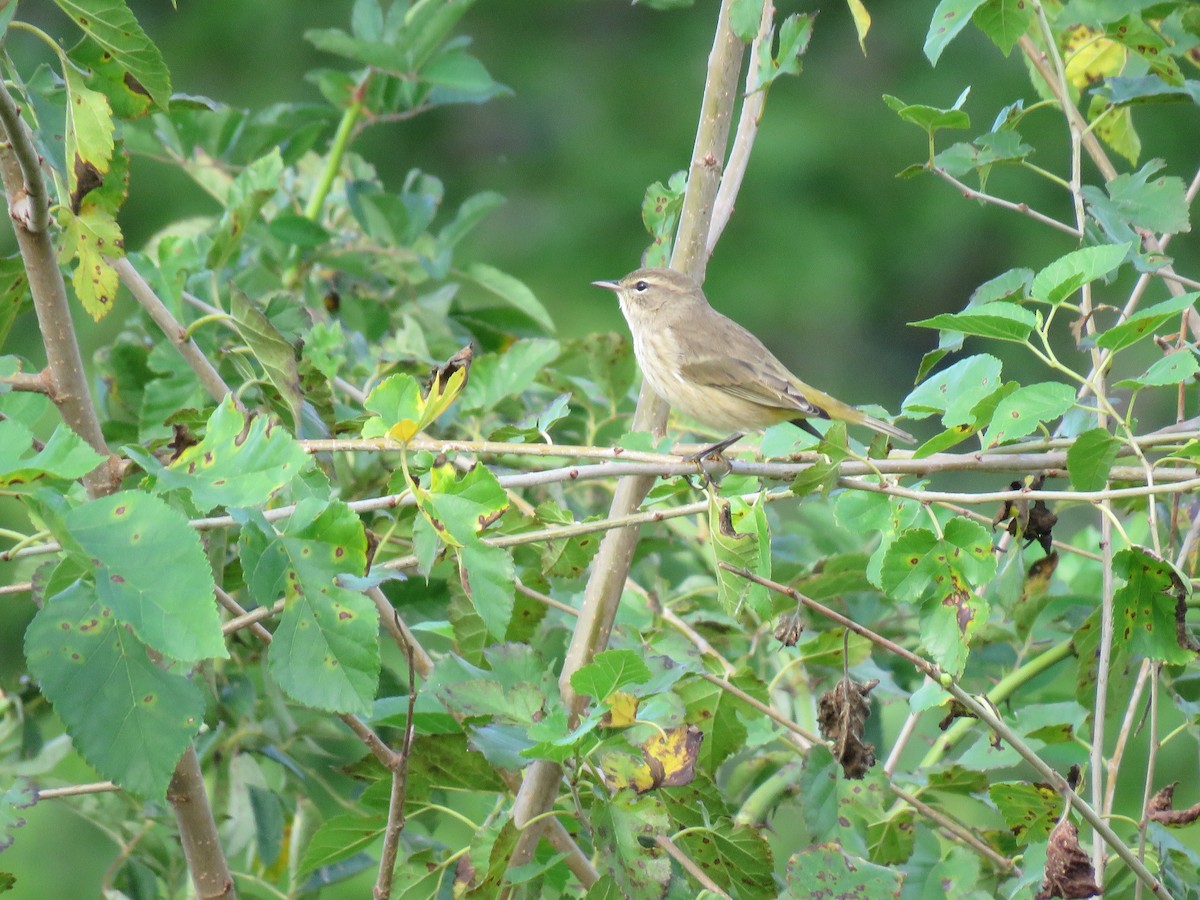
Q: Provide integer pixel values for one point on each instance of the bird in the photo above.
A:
(711, 369)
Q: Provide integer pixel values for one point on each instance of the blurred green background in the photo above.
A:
(828, 255)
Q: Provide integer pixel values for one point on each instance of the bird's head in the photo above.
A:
(649, 289)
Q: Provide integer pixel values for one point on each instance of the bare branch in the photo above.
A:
(206, 373)
(971, 194)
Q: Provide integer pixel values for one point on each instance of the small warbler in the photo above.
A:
(712, 369)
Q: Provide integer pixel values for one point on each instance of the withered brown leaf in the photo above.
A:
(842, 717)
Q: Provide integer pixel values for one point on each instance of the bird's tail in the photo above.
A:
(886, 428)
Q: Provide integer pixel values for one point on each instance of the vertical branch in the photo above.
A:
(28, 206)
(540, 784)
(747, 130)
(1078, 131)
(198, 831)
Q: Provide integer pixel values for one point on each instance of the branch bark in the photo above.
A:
(28, 204)
(540, 784)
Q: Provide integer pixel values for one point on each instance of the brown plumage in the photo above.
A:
(713, 370)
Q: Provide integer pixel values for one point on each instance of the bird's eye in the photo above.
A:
(640, 286)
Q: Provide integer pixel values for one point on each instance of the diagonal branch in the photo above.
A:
(206, 373)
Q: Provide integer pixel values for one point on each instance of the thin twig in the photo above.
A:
(31, 383)
(395, 819)
(958, 831)
(1024, 209)
(77, 790)
(209, 378)
(689, 866)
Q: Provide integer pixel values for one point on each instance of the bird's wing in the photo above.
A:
(756, 380)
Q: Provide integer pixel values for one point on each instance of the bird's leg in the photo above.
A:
(716, 449)
(805, 425)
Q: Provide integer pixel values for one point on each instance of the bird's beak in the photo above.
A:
(607, 285)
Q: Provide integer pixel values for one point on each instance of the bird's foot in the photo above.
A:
(716, 451)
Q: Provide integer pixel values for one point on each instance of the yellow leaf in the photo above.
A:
(1089, 57)
(671, 756)
(862, 22)
(403, 431)
(622, 710)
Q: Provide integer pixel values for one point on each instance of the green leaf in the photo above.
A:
(111, 25)
(1174, 368)
(1132, 200)
(150, 569)
(511, 291)
(661, 206)
(463, 505)
(736, 857)
(248, 193)
(1030, 810)
(64, 456)
(1147, 89)
(339, 838)
(1002, 320)
(456, 76)
(744, 17)
(1006, 284)
(236, 464)
(276, 355)
(1063, 277)
(610, 670)
(523, 703)
(840, 873)
(1151, 608)
(624, 828)
(397, 404)
(326, 648)
(1145, 42)
(14, 295)
(930, 118)
(90, 237)
(794, 35)
(987, 150)
(428, 23)
(1004, 21)
(1144, 322)
(128, 716)
(298, 231)
(821, 476)
(717, 711)
(487, 576)
(89, 132)
(472, 211)
(945, 571)
(950, 17)
(1090, 458)
(955, 391)
(19, 794)
(739, 536)
(1020, 413)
